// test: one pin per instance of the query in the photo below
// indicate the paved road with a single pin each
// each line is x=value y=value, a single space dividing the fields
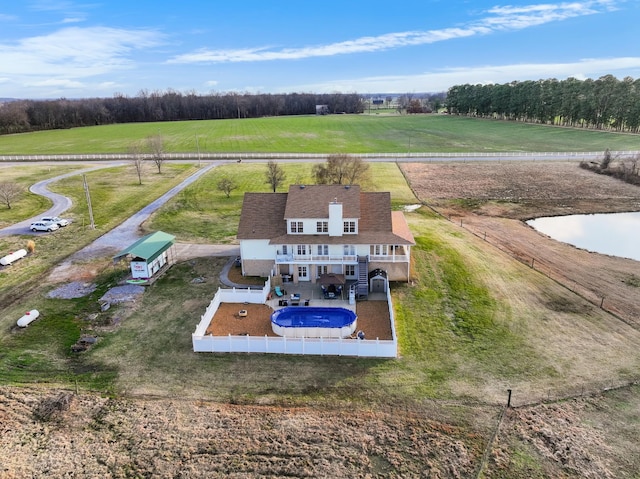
x=60 y=203
x=124 y=234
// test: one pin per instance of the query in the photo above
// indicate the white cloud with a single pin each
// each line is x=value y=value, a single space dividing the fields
x=55 y=82
x=497 y=19
x=75 y=52
x=211 y=83
x=73 y=20
x=441 y=80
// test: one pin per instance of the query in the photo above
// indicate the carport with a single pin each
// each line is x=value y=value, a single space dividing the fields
x=149 y=255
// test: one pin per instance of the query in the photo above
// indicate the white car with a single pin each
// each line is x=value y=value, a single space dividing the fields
x=43 y=226
x=55 y=219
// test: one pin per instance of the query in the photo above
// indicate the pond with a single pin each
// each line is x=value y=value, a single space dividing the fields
x=614 y=234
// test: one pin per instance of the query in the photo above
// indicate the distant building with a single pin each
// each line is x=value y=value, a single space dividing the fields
x=322 y=109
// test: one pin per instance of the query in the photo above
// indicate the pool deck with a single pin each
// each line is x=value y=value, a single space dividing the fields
x=313 y=293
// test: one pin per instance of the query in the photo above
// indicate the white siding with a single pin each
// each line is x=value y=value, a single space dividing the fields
x=257 y=249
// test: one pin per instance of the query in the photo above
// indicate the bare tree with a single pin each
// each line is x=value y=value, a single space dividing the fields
x=156 y=148
x=10 y=192
x=340 y=169
x=137 y=159
x=275 y=175
x=226 y=185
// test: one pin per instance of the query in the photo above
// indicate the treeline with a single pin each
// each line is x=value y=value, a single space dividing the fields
x=604 y=104
x=31 y=115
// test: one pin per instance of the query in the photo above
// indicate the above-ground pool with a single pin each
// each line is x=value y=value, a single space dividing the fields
x=313 y=322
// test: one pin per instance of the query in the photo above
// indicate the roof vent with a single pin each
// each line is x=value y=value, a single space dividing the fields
x=346 y=187
x=302 y=187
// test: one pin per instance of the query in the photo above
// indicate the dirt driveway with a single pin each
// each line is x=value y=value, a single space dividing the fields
x=492 y=199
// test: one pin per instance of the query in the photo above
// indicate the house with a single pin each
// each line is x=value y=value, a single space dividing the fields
x=315 y=230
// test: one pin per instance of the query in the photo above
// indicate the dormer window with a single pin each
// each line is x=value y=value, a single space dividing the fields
x=322 y=227
x=349 y=227
x=297 y=227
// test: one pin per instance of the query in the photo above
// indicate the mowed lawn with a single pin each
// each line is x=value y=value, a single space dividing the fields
x=322 y=134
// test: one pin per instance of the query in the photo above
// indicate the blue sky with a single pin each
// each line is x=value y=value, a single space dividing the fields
x=97 y=48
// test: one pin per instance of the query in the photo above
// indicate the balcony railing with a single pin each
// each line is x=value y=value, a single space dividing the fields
x=398 y=258
x=316 y=258
x=337 y=259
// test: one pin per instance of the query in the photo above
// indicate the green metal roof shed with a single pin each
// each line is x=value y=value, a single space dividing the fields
x=149 y=247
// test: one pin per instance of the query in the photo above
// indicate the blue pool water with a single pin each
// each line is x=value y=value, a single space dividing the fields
x=313 y=317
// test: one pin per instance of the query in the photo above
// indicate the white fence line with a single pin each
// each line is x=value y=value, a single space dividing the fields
x=322 y=156
x=283 y=345
x=203 y=343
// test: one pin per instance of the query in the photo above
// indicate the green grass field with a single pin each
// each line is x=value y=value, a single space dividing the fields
x=203 y=214
x=28 y=204
x=115 y=195
x=460 y=334
x=323 y=134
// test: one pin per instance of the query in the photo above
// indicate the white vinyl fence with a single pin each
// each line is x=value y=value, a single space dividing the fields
x=541 y=155
x=203 y=343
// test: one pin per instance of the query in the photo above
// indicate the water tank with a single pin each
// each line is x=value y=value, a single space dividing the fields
x=11 y=257
x=29 y=317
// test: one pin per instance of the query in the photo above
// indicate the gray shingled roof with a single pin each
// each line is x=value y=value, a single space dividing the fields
x=312 y=201
x=264 y=215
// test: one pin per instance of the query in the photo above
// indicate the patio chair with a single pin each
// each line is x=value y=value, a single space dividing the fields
x=278 y=292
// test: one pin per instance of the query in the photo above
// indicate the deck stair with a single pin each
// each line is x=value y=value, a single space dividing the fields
x=363 y=277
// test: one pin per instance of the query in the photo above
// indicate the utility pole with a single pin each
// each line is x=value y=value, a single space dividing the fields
x=86 y=192
x=198 y=147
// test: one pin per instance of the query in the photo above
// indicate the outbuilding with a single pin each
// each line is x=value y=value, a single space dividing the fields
x=149 y=255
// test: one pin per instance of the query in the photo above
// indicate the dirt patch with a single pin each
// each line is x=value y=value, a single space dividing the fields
x=491 y=199
x=373 y=319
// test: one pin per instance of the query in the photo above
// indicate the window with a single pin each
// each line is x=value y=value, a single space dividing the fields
x=321 y=270
x=350 y=270
x=322 y=227
x=285 y=249
x=379 y=249
x=323 y=250
x=349 y=226
x=296 y=227
x=349 y=250
x=302 y=249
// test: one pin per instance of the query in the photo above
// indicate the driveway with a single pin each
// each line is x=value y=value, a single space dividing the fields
x=122 y=235
x=60 y=203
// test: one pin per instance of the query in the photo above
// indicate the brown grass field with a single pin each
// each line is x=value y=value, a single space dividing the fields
x=53 y=433
x=491 y=199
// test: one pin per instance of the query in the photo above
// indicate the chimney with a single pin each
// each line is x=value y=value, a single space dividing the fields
x=335 y=218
